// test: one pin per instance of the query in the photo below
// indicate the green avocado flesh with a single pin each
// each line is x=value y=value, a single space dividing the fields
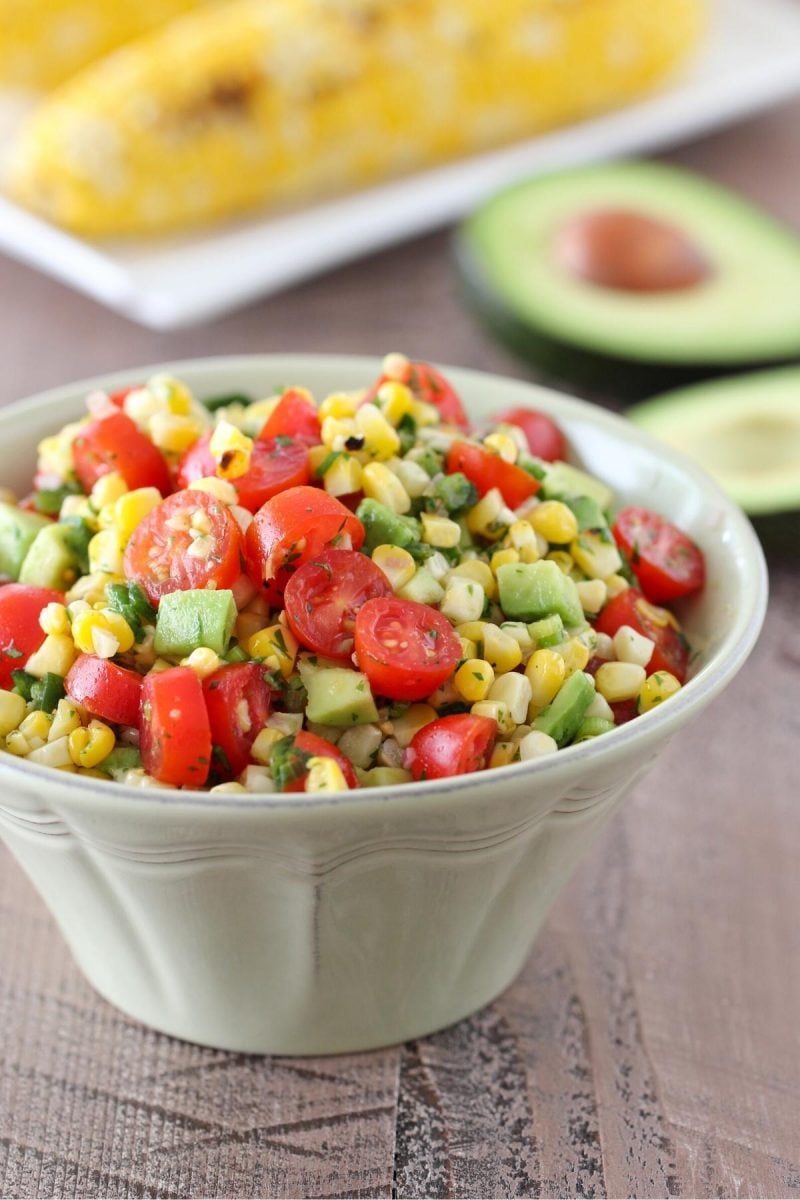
x=744 y=430
x=745 y=313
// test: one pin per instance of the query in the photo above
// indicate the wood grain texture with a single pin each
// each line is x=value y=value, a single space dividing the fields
x=651 y=1046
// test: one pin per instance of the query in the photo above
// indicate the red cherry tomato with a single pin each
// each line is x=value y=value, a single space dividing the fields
x=105 y=690
x=405 y=649
x=323 y=597
x=631 y=608
x=487 y=470
x=666 y=562
x=274 y=466
x=174 y=730
x=310 y=743
x=624 y=711
x=293 y=416
x=163 y=557
x=293 y=527
x=20 y=632
x=543 y=436
x=114 y=443
x=428 y=385
x=455 y=745
x=238 y=701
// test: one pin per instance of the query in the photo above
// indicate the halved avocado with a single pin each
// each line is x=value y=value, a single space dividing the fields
x=744 y=430
x=735 y=307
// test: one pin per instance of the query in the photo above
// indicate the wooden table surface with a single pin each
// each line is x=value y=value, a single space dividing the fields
x=651 y=1046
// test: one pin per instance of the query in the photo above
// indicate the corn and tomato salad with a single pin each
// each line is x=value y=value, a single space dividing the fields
x=257 y=595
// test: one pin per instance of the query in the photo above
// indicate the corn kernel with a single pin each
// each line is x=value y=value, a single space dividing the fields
x=277 y=642
x=203 y=662
x=632 y=646
x=555 y=521
x=338 y=405
x=619 y=680
x=174 y=434
x=91 y=589
x=592 y=594
x=172 y=393
x=502 y=444
x=490 y=517
x=575 y=654
x=380 y=437
x=336 y=432
x=518 y=630
x=514 y=690
x=55 y=655
x=473 y=679
x=658 y=616
x=108 y=489
x=54 y=753
x=324 y=775
x=469 y=649
x=233 y=788
x=614 y=585
x=500 y=649
x=65 y=718
x=54 y=618
x=546 y=671
x=523 y=538
x=414 y=478
x=396 y=366
x=657 y=688
x=596 y=557
x=481 y=572
x=36 y=726
x=12 y=711
x=497 y=711
x=231 y=450
x=424 y=414
x=395 y=400
x=440 y=531
x=600 y=707
x=503 y=754
x=379 y=483
x=106 y=553
x=212 y=485
x=463 y=600
x=501 y=557
x=256 y=779
x=261 y=749
x=344 y=477
x=18 y=744
x=536 y=745
x=131 y=510
x=563 y=560
x=397 y=565
x=89 y=746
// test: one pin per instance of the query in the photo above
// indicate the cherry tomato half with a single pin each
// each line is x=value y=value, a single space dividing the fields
x=428 y=385
x=455 y=745
x=311 y=743
x=293 y=416
x=174 y=730
x=323 y=597
x=405 y=649
x=293 y=527
x=238 y=701
x=20 y=632
x=665 y=560
x=114 y=443
x=631 y=608
x=104 y=689
x=162 y=556
x=274 y=466
x=487 y=470
x=543 y=436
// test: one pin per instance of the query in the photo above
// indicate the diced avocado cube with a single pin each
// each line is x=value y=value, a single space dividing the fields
x=588 y=513
x=384 y=527
x=422 y=588
x=563 y=717
x=592 y=727
x=51 y=561
x=539 y=589
x=120 y=760
x=18 y=529
x=383 y=777
x=547 y=632
x=188 y=620
x=339 y=696
x=562 y=479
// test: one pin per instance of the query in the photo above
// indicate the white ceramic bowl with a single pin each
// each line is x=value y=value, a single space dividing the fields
x=300 y=925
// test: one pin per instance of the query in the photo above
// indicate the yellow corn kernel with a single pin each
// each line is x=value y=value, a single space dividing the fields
x=55 y=655
x=473 y=679
x=18 y=744
x=522 y=538
x=503 y=754
x=79 y=506
x=503 y=445
x=440 y=531
x=174 y=434
x=12 y=711
x=514 y=690
x=396 y=401
x=498 y=711
x=500 y=649
x=490 y=517
x=592 y=594
x=344 y=477
x=55 y=453
x=203 y=662
x=563 y=559
x=275 y=641
x=614 y=585
x=501 y=557
x=338 y=405
x=171 y=393
x=54 y=753
x=480 y=572
x=108 y=489
x=380 y=437
x=89 y=746
x=106 y=553
x=130 y=510
x=424 y=414
x=261 y=749
x=102 y=632
x=396 y=366
x=54 y=618
x=658 y=616
x=575 y=654
x=65 y=719
x=619 y=680
x=546 y=671
x=36 y=726
x=416 y=717
x=381 y=484
x=231 y=450
x=324 y=775
x=228 y=789
x=596 y=557
x=92 y=588
x=316 y=457
x=337 y=431
x=469 y=649
x=555 y=521
x=657 y=688
x=397 y=565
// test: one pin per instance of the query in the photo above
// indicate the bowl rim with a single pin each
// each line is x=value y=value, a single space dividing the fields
x=657 y=724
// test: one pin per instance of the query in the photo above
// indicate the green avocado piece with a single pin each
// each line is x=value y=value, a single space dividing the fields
x=52 y=560
x=592 y=727
x=564 y=716
x=549 y=631
x=742 y=313
x=339 y=696
x=18 y=529
x=529 y=591
x=384 y=527
x=422 y=588
x=562 y=480
x=194 y=618
x=588 y=514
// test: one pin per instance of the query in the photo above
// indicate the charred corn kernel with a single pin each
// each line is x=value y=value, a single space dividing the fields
x=424 y=414
x=563 y=559
x=522 y=538
x=90 y=745
x=212 y=485
x=500 y=649
x=657 y=688
x=276 y=641
x=497 y=711
x=659 y=616
x=380 y=484
x=203 y=662
x=108 y=489
x=480 y=571
x=619 y=680
x=463 y=600
x=536 y=745
x=36 y=726
x=395 y=400
x=414 y=478
x=502 y=444
x=513 y=690
x=546 y=671
x=596 y=557
x=106 y=553
x=632 y=646
x=614 y=585
x=474 y=679
x=380 y=437
x=575 y=654
x=12 y=711
x=490 y=517
x=131 y=509
x=324 y=775
x=65 y=718
x=397 y=565
x=338 y=431
x=592 y=594
x=174 y=434
x=501 y=557
x=54 y=753
x=261 y=749
x=54 y=618
x=344 y=477
x=555 y=522
x=172 y=393
x=416 y=717
x=338 y=404
x=440 y=531
x=231 y=450
x=503 y=754
x=18 y=744
x=55 y=656
x=469 y=649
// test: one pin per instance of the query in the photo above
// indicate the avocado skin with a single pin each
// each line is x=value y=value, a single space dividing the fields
x=611 y=379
